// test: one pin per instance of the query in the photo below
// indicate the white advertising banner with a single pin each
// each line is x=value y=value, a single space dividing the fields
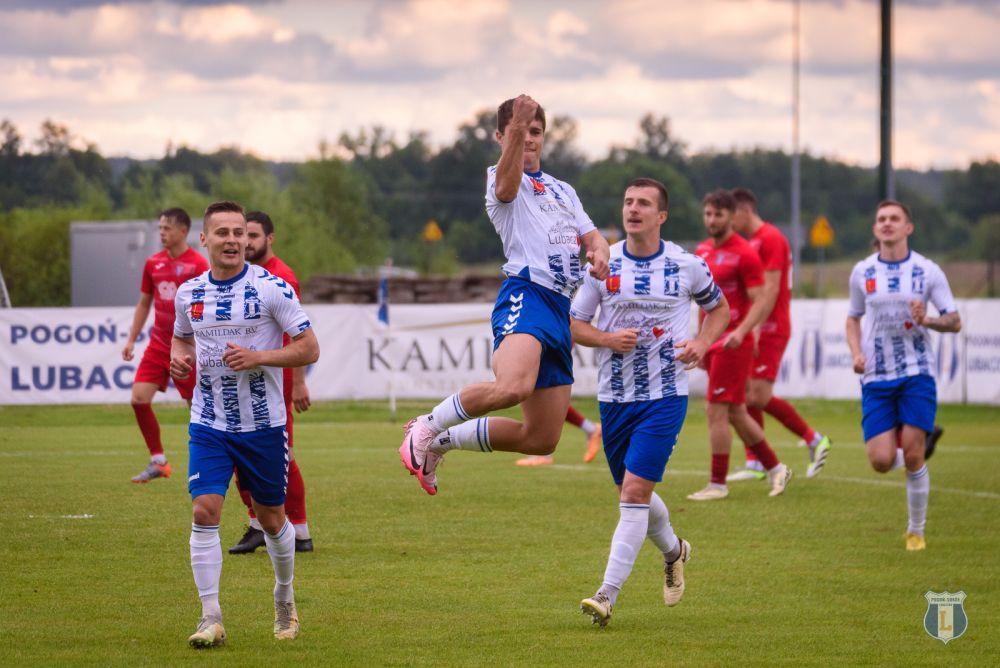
x=73 y=355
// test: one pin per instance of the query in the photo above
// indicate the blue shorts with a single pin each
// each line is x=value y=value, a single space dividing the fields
x=260 y=457
x=887 y=404
x=523 y=307
x=639 y=436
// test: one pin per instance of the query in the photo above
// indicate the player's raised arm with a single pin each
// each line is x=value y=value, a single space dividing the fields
x=512 y=142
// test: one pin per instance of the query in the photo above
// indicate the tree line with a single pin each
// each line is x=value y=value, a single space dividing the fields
x=370 y=194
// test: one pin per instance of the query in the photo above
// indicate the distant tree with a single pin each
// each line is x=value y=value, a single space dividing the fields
x=658 y=142
x=55 y=139
x=10 y=140
x=975 y=192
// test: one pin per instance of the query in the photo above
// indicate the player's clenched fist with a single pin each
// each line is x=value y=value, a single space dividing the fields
x=859 y=363
x=598 y=264
x=691 y=354
x=180 y=367
x=238 y=358
x=524 y=110
x=918 y=311
x=622 y=340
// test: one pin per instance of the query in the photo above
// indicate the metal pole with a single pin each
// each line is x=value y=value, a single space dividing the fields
x=796 y=171
x=886 y=180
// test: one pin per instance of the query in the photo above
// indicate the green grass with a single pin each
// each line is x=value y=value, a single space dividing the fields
x=491 y=571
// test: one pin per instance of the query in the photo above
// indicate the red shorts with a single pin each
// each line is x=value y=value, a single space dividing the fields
x=767 y=361
x=728 y=372
x=155 y=368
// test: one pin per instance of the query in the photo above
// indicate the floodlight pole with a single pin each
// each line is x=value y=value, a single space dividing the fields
x=886 y=179
x=796 y=204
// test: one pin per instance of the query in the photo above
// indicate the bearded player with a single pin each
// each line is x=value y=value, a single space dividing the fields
x=162 y=274
x=737 y=271
x=260 y=239
x=772 y=337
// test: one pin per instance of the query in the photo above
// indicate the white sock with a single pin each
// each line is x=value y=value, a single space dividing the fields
x=588 y=427
x=255 y=524
x=301 y=531
x=160 y=459
x=447 y=414
x=754 y=465
x=625 y=545
x=660 y=531
x=900 y=462
x=281 y=549
x=918 y=488
x=206 y=565
x=473 y=435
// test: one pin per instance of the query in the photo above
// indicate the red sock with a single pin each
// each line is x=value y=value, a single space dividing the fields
x=720 y=467
x=244 y=495
x=149 y=427
x=574 y=417
x=788 y=416
x=751 y=457
x=765 y=454
x=295 y=497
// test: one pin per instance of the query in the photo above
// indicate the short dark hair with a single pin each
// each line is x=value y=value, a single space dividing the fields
x=644 y=182
x=178 y=215
x=744 y=196
x=265 y=221
x=505 y=112
x=221 y=207
x=720 y=199
x=892 y=202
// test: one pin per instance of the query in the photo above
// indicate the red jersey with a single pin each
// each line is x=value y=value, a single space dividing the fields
x=277 y=267
x=776 y=255
x=735 y=267
x=161 y=276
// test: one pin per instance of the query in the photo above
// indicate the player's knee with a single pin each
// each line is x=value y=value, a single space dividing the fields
x=139 y=401
x=513 y=393
x=881 y=465
x=913 y=460
x=204 y=515
x=271 y=522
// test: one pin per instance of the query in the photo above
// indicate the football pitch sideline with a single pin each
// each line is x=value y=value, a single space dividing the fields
x=491 y=570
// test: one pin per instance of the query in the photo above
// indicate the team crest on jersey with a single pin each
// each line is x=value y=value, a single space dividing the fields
x=537 y=186
x=179 y=269
x=870 y=280
x=613 y=284
x=945 y=618
x=197 y=311
x=917 y=280
x=251 y=303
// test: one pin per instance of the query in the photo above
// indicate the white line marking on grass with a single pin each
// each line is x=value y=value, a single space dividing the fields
x=902 y=485
x=61 y=517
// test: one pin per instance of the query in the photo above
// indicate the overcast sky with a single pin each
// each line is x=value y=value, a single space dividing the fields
x=277 y=77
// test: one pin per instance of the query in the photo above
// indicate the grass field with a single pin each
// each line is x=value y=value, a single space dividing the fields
x=491 y=571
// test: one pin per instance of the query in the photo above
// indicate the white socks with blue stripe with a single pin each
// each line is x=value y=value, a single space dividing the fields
x=918 y=488
x=206 y=565
x=630 y=534
x=447 y=414
x=661 y=532
x=281 y=549
x=473 y=435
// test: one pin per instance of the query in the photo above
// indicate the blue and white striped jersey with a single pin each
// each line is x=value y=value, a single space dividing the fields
x=252 y=310
x=653 y=295
x=540 y=230
x=894 y=346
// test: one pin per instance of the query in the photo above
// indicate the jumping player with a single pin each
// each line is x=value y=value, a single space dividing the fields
x=235 y=315
x=737 y=270
x=577 y=419
x=162 y=274
x=890 y=289
x=644 y=352
x=772 y=336
x=260 y=238
x=542 y=225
